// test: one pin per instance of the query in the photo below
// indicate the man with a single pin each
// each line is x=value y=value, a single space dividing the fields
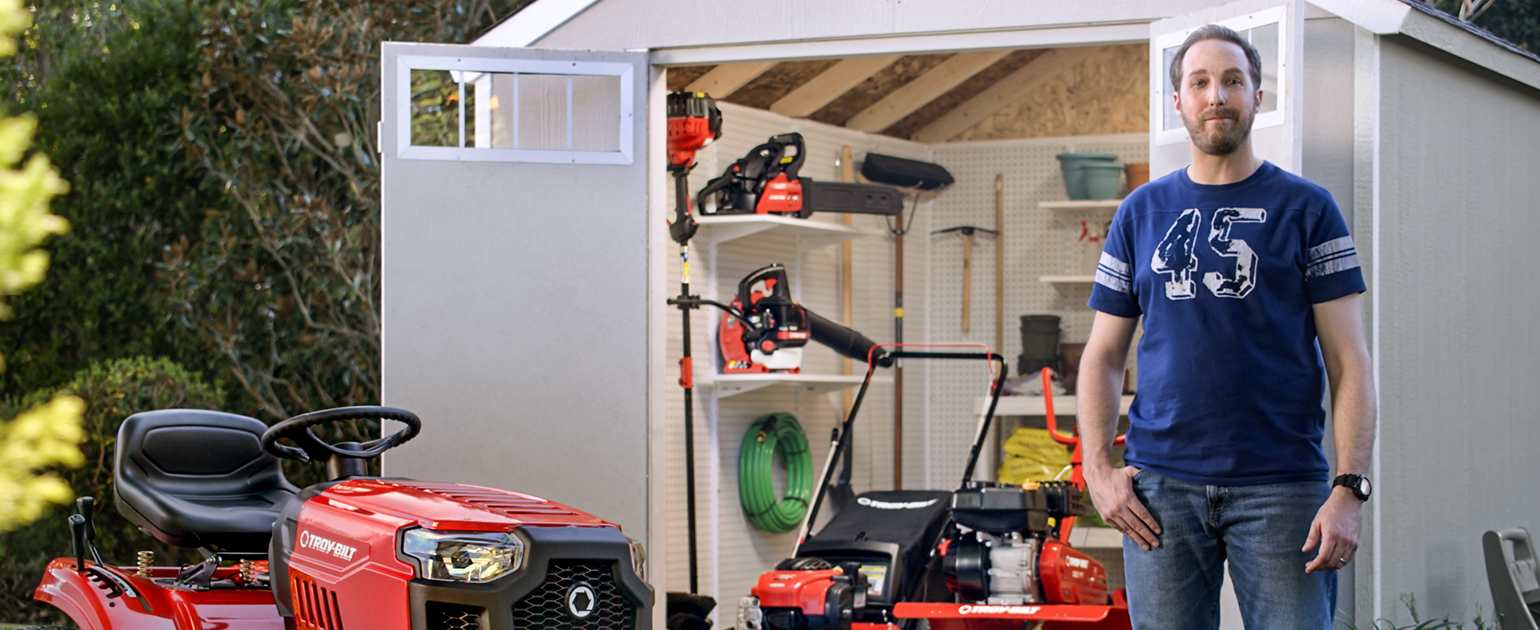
x=1239 y=270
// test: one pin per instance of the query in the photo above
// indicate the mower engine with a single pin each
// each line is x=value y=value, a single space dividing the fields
x=1012 y=555
x=806 y=594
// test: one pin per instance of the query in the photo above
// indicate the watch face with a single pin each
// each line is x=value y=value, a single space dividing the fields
x=1364 y=487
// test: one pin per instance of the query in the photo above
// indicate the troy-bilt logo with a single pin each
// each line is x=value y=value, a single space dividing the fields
x=1079 y=563
x=326 y=546
x=885 y=505
x=967 y=609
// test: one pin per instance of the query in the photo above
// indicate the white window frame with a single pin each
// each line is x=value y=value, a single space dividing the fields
x=405 y=64
x=1275 y=15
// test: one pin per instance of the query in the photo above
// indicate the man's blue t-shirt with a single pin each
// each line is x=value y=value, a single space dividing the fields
x=1230 y=378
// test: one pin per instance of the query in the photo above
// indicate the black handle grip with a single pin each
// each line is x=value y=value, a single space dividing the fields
x=78 y=537
x=845 y=341
x=86 y=507
x=793 y=139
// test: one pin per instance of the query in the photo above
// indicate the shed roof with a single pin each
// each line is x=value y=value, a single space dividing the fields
x=903 y=68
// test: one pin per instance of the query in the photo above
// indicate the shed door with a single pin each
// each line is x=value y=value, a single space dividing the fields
x=515 y=231
x=1276 y=28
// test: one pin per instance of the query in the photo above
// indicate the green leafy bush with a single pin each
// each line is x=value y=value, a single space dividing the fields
x=107 y=82
x=113 y=390
x=285 y=286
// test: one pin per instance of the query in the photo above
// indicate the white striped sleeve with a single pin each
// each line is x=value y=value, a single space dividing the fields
x=1330 y=257
x=1114 y=274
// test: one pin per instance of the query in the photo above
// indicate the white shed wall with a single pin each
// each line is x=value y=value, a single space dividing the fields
x=1457 y=359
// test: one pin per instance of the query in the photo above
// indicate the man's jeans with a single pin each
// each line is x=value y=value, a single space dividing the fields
x=1259 y=529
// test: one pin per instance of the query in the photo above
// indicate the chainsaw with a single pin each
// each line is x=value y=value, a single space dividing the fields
x=766 y=181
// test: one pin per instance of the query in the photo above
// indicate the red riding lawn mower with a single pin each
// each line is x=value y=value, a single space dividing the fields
x=352 y=553
x=988 y=556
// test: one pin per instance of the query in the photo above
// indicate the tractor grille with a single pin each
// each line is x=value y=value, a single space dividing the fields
x=444 y=616
x=546 y=607
x=315 y=608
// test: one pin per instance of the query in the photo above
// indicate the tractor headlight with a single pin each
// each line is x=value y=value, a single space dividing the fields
x=463 y=556
x=638 y=558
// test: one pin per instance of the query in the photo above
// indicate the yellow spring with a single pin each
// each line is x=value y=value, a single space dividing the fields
x=248 y=572
x=146 y=558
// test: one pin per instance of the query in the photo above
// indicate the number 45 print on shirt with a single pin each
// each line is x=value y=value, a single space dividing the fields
x=1176 y=254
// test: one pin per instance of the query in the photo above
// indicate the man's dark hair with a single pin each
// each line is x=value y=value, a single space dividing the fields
x=1215 y=31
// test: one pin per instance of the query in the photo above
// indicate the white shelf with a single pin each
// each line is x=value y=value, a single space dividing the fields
x=725 y=385
x=1071 y=213
x=810 y=235
x=1068 y=281
x=1033 y=405
x=1082 y=537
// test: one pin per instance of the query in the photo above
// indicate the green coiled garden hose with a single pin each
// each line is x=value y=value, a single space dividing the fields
x=771 y=434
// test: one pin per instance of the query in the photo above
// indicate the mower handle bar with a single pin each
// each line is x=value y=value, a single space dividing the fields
x=873 y=360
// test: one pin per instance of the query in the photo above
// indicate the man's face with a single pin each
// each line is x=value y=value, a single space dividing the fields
x=1217 y=99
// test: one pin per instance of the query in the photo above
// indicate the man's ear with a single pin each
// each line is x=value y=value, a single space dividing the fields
x=1176 y=101
x=1257 y=106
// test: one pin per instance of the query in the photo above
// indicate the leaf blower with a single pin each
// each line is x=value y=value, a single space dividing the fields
x=764 y=329
x=766 y=181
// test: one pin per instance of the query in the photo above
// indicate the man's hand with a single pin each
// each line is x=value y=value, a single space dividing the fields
x=1335 y=529
x=1112 y=491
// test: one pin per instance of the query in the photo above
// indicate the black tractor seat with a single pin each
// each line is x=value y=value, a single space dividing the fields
x=890 y=533
x=195 y=478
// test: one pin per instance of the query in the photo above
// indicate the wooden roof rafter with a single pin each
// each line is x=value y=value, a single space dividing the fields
x=725 y=79
x=830 y=84
x=1003 y=93
x=917 y=93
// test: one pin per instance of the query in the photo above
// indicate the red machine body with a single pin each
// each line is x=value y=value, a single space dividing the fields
x=344 y=569
x=782 y=195
x=803 y=590
x=1071 y=577
x=354 y=552
x=1003 y=552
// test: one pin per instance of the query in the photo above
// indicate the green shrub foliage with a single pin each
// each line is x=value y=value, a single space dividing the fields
x=108 y=82
x=285 y=286
x=113 y=390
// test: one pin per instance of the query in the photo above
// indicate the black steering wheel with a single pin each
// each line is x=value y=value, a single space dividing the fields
x=311 y=448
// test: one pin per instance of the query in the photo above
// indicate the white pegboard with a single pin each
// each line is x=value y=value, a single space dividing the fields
x=938 y=424
x=732 y=553
x=1035 y=245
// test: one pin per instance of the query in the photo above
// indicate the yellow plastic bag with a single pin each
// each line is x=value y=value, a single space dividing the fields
x=1031 y=454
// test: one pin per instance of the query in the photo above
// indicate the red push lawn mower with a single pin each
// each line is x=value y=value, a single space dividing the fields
x=352 y=553
x=989 y=556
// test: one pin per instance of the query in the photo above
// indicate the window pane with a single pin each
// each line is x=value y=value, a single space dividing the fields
x=1265 y=39
x=595 y=113
x=1171 y=120
x=435 y=109
x=542 y=111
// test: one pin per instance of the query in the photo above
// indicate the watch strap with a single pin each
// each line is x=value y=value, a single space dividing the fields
x=1353 y=482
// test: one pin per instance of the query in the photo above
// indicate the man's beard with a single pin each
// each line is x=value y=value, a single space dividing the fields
x=1222 y=141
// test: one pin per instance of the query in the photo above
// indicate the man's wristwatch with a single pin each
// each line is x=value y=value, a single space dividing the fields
x=1359 y=484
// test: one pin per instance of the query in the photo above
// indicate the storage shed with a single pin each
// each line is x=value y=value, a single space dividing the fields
x=527 y=263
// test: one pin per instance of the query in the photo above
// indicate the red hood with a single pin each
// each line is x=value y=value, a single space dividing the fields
x=453 y=506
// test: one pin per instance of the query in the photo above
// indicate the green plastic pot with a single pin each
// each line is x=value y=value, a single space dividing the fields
x=1101 y=179
x=1072 y=165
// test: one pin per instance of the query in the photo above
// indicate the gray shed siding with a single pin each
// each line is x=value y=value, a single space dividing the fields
x=1457 y=351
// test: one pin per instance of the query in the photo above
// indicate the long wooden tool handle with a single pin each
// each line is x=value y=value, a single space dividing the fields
x=967 y=279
